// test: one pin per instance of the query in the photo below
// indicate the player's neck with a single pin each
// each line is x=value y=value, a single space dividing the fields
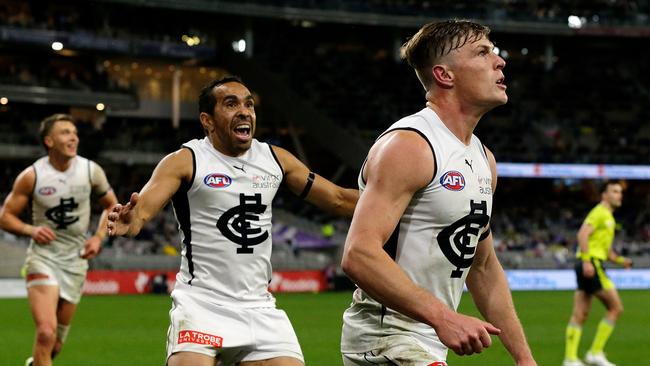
x=607 y=206
x=60 y=162
x=459 y=121
x=221 y=147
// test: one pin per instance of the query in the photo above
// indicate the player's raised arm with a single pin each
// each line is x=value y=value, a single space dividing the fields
x=314 y=188
x=166 y=179
x=15 y=204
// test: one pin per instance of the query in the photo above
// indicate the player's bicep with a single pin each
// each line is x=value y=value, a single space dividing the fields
x=585 y=231
x=391 y=184
x=376 y=215
x=20 y=194
x=295 y=171
x=166 y=179
x=100 y=185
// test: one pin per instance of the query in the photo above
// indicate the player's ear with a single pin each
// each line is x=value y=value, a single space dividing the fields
x=48 y=141
x=206 y=121
x=443 y=76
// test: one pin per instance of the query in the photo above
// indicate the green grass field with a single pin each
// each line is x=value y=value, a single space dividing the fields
x=130 y=330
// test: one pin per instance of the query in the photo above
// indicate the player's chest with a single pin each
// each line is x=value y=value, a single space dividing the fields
x=55 y=189
x=230 y=185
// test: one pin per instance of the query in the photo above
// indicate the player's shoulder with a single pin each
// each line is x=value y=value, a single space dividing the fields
x=404 y=154
x=598 y=213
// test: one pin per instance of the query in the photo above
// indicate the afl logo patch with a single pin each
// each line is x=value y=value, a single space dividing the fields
x=217 y=180
x=46 y=191
x=453 y=181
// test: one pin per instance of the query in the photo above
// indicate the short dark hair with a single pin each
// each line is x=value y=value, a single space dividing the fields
x=609 y=182
x=48 y=122
x=435 y=40
x=207 y=101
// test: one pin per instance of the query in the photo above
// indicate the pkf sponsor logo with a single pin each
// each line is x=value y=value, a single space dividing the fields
x=438 y=363
x=46 y=191
x=192 y=336
x=217 y=180
x=453 y=180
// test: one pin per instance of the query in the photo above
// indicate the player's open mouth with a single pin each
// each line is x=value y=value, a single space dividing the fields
x=243 y=131
x=501 y=82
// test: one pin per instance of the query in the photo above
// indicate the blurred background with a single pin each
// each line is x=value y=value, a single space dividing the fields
x=328 y=79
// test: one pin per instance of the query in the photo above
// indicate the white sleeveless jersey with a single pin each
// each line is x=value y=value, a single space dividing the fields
x=436 y=238
x=61 y=201
x=224 y=217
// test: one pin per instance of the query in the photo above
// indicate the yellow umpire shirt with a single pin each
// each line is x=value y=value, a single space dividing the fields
x=600 y=240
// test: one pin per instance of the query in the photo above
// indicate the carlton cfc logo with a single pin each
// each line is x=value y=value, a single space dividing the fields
x=217 y=180
x=453 y=181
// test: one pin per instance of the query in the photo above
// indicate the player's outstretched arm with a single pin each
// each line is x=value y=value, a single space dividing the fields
x=320 y=192
x=398 y=166
x=14 y=205
x=166 y=179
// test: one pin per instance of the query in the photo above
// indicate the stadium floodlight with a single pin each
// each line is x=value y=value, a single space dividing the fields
x=4 y=100
x=524 y=51
x=574 y=22
x=239 y=46
x=504 y=54
x=100 y=106
x=496 y=50
x=191 y=40
x=57 y=46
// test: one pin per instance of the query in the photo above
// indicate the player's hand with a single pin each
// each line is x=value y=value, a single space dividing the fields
x=464 y=334
x=628 y=263
x=91 y=248
x=42 y=235
x=121 y=217
x=588 y=269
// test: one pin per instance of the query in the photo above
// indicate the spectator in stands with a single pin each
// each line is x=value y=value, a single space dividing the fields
x=595 y=239
x=221 y=188
x=421 y=228
x=59 y=187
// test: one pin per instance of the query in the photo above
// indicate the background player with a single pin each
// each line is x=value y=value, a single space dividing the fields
x=595 y=239
x=221 y=188
x=59 y=187
x=421 y=227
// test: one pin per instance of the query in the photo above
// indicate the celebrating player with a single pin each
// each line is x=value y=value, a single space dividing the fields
x=421 y=228
x=59 y=187
x=222 y=309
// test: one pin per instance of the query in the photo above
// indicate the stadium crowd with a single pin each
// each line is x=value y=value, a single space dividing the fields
x=555 y=114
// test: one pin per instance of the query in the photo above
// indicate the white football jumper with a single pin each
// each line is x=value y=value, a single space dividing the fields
x=61 y=201
x=435 y=240
x=224 y=218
